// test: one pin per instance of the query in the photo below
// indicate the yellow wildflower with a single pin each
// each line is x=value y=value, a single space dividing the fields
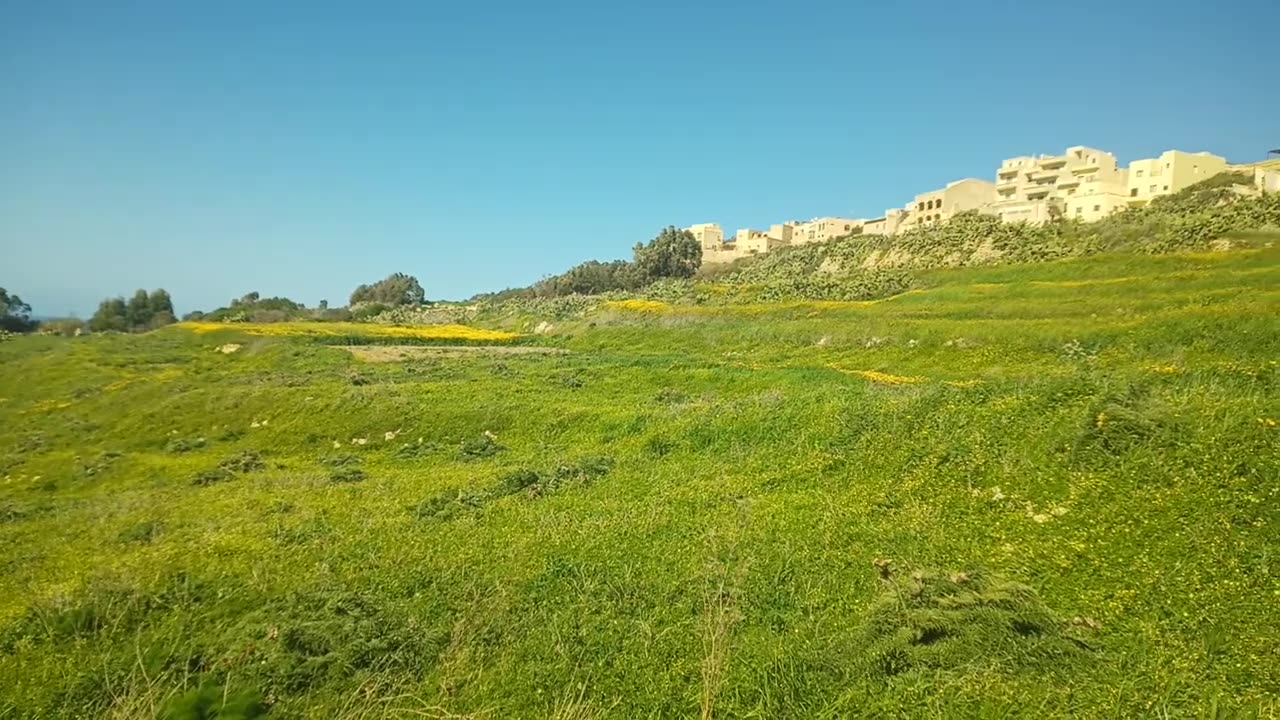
x=883 y=378
x=638 y=305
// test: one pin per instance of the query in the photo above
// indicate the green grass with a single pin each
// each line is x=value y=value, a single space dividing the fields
x=1070 y=509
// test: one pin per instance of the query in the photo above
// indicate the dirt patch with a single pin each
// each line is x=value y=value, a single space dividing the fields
x=400 y=353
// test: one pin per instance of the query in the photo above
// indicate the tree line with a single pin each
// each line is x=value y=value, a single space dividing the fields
x=674 y=253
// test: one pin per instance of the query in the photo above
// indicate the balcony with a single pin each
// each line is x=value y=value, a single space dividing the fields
x=1069 y=182
x=1039 y=192
x=1084 y=169
x=1052 y=163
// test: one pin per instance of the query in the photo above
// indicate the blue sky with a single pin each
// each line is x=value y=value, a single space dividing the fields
x=300 y=149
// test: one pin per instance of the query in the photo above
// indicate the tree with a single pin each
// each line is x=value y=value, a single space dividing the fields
x=111 y=315
x=138 y=310
x=160 y=302
x=15 y=315
x=395 y=289
x=673 y=254
x=144 y=311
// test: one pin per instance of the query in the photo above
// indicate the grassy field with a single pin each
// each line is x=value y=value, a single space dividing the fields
x=1027 y=491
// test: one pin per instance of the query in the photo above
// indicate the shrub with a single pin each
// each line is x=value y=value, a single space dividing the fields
x=484 y=446
x=209 y=477
x=934 y=621
x=346 y=475
x=182 y=445
x=242 y=462
x=210 y=701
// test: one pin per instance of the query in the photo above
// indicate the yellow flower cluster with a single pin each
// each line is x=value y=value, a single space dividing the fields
x=1163 y=369
x=637 y=305
x=45 y=406
x=884 y=378
x=422 y=332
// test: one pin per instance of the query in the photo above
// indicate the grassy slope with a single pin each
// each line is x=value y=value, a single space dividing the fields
x=1116 y=454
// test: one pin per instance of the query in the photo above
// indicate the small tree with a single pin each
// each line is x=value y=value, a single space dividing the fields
x=15 y=315
x=160 y=302
x=110 y=316
x=673 y=254
x=144 y=311
x=395 y=289
x=138 y=310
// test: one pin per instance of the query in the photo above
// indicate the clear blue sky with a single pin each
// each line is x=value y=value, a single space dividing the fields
x=299 y=149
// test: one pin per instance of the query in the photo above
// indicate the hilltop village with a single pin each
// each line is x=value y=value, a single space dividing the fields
x=1082 y=183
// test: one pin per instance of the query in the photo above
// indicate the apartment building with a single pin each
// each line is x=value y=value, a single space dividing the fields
x=940 y=205
x=755 y=242
x=823 y=229
x=1082 y=183
x=708 y=235
x=889 y=224
x=1169 y=173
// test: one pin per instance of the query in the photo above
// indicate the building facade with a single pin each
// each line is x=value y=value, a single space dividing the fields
x=708 y=235
x=1169 y=173
x=823 y=229
x=940 y=205
x=1082 y=183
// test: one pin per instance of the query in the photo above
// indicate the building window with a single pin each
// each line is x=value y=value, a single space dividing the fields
x=1152 y=189
x=1133 y=192
x=1166 y=188
x=1079 y=209
x=920 y=207
x=1097 y=208
x=1139 y=173
x=939 y=204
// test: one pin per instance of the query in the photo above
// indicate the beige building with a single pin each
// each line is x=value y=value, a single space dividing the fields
x=1266 y=174
x=1169 y=173
x=887 y=225
x=708 y=235
x=940 y=205
x=823 y=229
x=1081 y=183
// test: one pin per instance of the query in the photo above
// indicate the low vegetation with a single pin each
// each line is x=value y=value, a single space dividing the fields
x=1016 y=489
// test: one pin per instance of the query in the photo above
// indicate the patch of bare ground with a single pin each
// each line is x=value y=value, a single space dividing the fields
x=400 y=353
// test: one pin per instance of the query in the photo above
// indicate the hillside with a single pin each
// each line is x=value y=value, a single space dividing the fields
x=1044 y=488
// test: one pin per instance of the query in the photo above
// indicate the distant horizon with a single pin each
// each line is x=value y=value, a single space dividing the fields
x=218 y=150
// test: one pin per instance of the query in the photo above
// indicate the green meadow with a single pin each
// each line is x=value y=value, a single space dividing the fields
x=1042 y=490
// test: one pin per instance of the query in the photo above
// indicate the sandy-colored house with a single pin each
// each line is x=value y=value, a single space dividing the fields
x=1082 y=182
x=1169 y=173
x=823 y=229
x=708 y=235
x=940 y=205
